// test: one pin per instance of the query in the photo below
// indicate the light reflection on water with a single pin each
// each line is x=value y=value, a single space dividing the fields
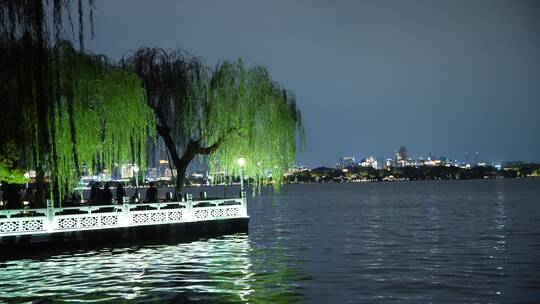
x=413 y=242
x=226 y=269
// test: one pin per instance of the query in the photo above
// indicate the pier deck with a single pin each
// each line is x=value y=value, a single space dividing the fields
x=120 y=222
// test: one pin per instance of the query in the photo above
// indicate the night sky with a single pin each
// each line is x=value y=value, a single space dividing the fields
x=435 y=76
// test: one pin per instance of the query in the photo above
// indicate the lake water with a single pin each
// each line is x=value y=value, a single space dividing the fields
x=417 y=242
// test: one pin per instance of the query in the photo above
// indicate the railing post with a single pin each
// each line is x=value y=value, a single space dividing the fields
x=244 y=203
x=50 y=215
x=125 y=211
x=190 y=211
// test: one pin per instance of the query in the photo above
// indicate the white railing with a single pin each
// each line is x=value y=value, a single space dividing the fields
x=49 y=220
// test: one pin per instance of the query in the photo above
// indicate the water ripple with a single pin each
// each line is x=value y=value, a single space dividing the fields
x=442 y=242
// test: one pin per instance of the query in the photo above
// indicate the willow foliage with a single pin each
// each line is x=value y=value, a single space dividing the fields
x=8 y=171
x=230 y=112
x=256 y=119
x=105 y=121
x=173 y=82
x=98 y=115
x=34 y=80
x=44 y=20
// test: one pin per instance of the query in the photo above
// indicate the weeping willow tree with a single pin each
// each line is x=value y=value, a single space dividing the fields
x=28 y=30
x=100 y=117
x=66 y=108
x=252 y=117
x=106 y=120
x=175 y=85
x=228 y=113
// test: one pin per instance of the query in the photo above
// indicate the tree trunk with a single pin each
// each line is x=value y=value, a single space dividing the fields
x=43 y=107
x=193 y=149
x=180 y=178
x=165 y=132
x=181 y=164
x=41 y=191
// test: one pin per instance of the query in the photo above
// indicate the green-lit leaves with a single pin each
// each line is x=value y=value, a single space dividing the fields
x=8 y=163
x=233 y=112
x=102 y=119
x=259 y=119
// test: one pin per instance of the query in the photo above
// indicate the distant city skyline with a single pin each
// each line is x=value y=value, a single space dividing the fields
x=435 y=76
x=473 y=157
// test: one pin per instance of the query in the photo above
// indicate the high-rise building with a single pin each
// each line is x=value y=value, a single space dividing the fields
x=388 y=163
x=380 y=162
x=369 y=162
x=401 y=157
x=346 y=162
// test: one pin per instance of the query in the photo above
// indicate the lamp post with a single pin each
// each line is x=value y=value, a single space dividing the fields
x=241 y=162
x=260 y=176
x=136 y=170
x=27 y=176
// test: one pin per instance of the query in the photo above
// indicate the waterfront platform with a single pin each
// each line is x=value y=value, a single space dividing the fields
x=123 y=223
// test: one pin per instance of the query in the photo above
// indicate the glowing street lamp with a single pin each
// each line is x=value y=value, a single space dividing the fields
x=241 y=162
x=27 y=176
